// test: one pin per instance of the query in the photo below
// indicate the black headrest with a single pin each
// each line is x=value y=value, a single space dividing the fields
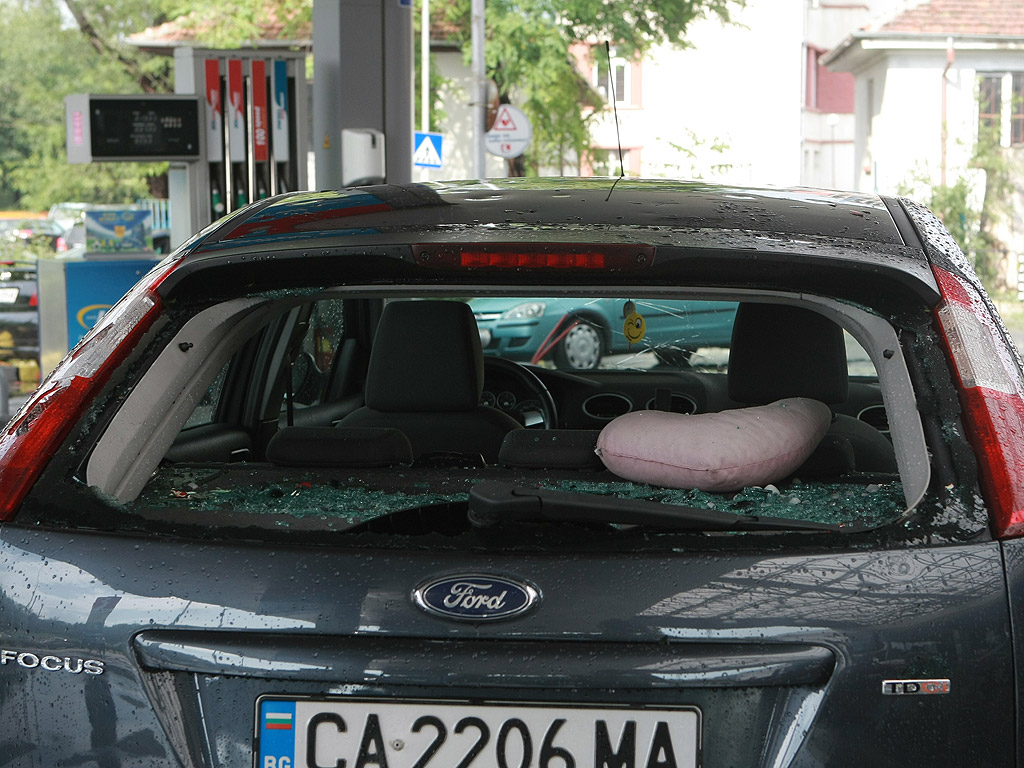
x=779 y=351
x=551 y=449
x=338 y=447
x=426 y=356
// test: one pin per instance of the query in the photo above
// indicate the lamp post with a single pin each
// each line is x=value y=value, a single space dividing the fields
x=832 y=120
x=479 y=102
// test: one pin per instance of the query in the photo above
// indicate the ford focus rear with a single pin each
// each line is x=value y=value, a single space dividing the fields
x=285 y=506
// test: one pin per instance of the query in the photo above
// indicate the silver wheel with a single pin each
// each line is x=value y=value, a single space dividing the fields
x=581 y=349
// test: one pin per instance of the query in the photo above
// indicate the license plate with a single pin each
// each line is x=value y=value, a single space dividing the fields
x=8 y=295
x=371 y=733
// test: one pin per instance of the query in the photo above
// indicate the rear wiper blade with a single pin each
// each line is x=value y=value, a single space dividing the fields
x=492 y=502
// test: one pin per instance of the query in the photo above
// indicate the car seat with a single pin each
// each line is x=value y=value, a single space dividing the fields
x=425 y=377
x=779 y=351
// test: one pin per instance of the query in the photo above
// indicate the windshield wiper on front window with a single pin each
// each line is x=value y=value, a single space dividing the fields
x=492 y=502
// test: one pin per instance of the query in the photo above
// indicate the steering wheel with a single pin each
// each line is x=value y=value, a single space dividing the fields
x=498 y=370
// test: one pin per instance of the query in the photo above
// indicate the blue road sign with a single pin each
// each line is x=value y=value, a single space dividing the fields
x=427 y=150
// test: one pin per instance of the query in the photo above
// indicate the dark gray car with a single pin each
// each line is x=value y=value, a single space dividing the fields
x=279 y=510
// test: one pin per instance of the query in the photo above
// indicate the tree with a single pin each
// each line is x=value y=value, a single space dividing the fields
x=527 y=50
x=45 y=56
x=105 y=26
x=55 y=47
x=700 y=156
x=971 y=218
x=529 y=60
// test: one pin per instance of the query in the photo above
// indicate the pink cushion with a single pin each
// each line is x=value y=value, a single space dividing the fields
x=723 y=451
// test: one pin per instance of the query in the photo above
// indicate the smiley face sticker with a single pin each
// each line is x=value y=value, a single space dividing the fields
x=634 y=327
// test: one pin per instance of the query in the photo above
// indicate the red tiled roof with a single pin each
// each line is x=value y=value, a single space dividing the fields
x=180 y=32
x=184 y=31
x=960 y=17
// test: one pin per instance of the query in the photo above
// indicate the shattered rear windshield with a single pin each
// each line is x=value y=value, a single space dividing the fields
x=601 y=400
x=337 y=501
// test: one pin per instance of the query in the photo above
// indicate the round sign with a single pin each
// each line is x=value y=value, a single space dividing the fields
x=511 y=133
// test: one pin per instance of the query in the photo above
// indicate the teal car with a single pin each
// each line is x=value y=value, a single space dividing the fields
x=578 y=334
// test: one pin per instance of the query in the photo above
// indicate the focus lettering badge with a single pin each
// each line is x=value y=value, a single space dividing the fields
x=475 y=597
x=29 y=660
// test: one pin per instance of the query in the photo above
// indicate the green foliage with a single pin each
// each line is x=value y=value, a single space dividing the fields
x=699 y=155
x=241 y=22
x=992 y=159
x=44 y=57
x=15 y=250
x=969 y=218
x=529 y=57
x=951 y=204
x=52 y=48
x=633 y=26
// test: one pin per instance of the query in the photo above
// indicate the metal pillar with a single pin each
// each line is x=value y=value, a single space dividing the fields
x=478 y=11
x=362 y=81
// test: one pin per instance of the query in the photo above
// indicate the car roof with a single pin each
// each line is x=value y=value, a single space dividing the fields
x=583 y=201
x=719 y=228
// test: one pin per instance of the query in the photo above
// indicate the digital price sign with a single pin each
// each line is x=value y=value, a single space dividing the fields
x=131 y=128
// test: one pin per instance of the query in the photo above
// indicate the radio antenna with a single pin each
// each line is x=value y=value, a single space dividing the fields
x=615 y=111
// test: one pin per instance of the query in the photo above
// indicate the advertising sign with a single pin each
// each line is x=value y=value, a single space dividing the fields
x=94 y=287
x=260 y=138
x=214 y=113
x=118 y=231
x=236 y=111
x=280 y=120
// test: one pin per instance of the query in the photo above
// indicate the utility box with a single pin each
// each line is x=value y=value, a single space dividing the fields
x=363 y=160
x=75 y=293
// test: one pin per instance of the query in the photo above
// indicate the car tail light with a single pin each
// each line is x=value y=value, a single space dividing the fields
x=992 y=395
x=46 y=419
x=62 y=244
x=534 y=256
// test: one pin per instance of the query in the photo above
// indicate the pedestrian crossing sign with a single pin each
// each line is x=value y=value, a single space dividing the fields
x=427 y=150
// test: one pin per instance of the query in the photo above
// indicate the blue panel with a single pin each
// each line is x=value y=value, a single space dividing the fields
x=94 y=286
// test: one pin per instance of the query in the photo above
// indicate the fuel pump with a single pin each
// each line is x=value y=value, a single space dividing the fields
x=253 y=105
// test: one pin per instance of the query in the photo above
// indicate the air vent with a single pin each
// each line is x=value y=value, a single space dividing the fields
x=876 y=416
x=607 y=406
x=677 y=404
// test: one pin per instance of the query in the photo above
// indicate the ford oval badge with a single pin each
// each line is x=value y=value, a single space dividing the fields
x=475 y=597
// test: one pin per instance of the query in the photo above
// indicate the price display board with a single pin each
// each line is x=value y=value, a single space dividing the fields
x=132 y=128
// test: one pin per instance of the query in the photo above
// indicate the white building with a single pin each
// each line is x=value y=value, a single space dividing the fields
x=754 y=89
x=928 y=81
x=748 y=103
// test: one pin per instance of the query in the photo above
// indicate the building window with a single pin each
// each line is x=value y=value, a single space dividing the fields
x=615 y=79
x=827 y=91
x=990 y=105
x=1001 y=107
x=1017 y=109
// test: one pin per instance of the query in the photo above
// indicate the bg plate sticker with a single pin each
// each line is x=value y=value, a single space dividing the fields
x=276 y=734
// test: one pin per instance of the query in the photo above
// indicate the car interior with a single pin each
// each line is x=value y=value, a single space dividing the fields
x=358 y=404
